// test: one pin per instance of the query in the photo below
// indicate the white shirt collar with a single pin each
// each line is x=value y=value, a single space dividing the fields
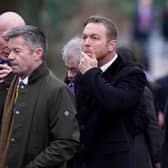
x=107 y=65
x=25 y=80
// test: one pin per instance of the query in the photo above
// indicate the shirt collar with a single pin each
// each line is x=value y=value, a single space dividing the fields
x=25 y=80
x=107 y=65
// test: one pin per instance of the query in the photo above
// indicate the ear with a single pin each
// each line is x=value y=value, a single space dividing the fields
x=112 y=45
x=38 y=52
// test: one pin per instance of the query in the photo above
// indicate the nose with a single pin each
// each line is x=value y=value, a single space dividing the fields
x=87 y=41
x=11 y=55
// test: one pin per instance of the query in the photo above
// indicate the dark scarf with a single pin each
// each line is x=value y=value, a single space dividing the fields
x=7 y=120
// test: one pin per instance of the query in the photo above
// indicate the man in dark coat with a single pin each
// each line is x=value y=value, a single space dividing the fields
x=148 y=140
x=107 y=92
x=43 y=131
x=161 y=95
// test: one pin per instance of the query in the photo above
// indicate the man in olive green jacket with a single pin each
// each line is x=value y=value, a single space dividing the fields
x=43 y=129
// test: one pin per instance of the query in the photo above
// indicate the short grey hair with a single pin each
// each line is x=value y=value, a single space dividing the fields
x=72 y=49
x=34 y=38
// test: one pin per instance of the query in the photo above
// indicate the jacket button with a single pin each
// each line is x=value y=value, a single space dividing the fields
x=22 y=86
x=66 y=113
x=12 y=139
x=17 y=112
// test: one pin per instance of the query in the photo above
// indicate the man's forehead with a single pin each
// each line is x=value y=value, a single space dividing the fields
x=72 y=61
x=94 y=28
x=16 y=41
x=3 y=28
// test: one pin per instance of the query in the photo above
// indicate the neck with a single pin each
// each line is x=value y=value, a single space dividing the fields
x=106 y=58
x=33 y=68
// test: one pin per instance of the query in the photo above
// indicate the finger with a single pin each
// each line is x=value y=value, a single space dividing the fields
x=2 y=71
x=1 y=80
x=82 y=60
x=84 y=55
x=92 y=55
x=5 y=68
x=3 y=76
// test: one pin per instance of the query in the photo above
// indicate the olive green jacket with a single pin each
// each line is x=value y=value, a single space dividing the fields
x=45 y=131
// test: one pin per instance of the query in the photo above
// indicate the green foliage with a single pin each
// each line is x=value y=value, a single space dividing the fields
x=123 y=7
x=60 y=10
x=31 y=11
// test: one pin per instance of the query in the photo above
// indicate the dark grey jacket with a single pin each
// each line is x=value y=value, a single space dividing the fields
x=148 y=143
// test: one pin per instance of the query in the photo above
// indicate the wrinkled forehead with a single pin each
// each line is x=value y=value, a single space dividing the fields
x=17 y=42
x=72 y=62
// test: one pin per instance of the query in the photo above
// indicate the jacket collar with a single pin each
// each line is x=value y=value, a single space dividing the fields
x=107 y=65
x=114 y=67
x=41 y=71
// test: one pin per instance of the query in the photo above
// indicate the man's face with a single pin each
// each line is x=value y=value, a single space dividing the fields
x=4 y=51
x=72 y=66
x=95 y=40
x=20 y=57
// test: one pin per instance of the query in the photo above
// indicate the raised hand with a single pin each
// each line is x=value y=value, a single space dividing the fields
x=4 y=71
x=87 y=62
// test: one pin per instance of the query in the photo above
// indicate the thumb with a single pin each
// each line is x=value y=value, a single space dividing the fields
x=83 y=54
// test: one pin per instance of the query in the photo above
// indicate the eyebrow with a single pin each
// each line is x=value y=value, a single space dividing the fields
x=93 y=34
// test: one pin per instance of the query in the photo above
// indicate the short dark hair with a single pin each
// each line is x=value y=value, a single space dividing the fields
x=33 y=37
x=112 y=31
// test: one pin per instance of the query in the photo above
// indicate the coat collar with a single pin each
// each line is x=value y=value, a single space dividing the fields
x=114 y=67
x=41 y=71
